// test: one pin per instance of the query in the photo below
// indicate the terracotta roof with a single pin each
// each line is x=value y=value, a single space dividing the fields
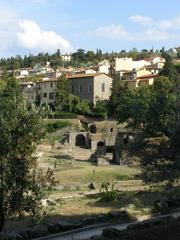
x=86 y=75
x=26 y=83
x=152 y=67
x=130 y=80
x=148 y=76
x=48 y=80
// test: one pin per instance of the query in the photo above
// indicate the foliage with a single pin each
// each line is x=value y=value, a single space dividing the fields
x=150 y=109
x=167 y=66
x=79 y=58
x=101 y=109
x=21 y=129
x=52 y=140
x=107 y=192
x=63 y=92
x=83 y=108
x=153 y=111
x=54 y=126
x=65 y=115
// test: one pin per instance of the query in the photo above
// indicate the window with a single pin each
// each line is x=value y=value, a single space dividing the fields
x=80 y=88
x=45 y=95
x=51 y=96
x=103 y=87
x=111 y=130
x=45 y=85
x=51 y=85
x=89 y=88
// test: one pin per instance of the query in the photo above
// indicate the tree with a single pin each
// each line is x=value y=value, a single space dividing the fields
x=90 y=56
x=168 y=64
x=79 y=55
x=21 y=129
x=63 y=92
x=150 y=109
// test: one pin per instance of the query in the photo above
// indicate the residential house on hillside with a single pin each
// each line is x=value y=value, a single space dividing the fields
x=137 y=78
x=104 y=67
x=28 y=91
x=66 y=57
x=46 y=90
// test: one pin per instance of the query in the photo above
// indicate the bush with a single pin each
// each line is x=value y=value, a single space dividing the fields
x=65 y=115
x=107 y=192
x=53 y=127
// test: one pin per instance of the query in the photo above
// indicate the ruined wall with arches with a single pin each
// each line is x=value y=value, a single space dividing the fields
x=80 y=139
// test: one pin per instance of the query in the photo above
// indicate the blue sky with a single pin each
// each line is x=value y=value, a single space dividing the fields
x=32 y=26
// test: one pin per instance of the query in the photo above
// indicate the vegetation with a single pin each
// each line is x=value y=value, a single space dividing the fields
x=107 y=192
x=21 y=183
x=69 y=103
x=153 y=111
x=54 y=126
x=79 y=58
x=150 y=109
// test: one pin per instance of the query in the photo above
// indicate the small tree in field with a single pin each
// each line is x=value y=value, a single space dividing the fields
x=20 y=131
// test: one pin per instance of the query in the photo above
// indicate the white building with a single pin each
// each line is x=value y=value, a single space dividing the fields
x=104 y=67
x=66 y=57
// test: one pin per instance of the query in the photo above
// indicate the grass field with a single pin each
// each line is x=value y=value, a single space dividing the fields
x=83 y=173
x=75 y=175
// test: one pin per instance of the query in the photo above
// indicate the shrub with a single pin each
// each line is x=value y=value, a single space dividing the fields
x=107 y=192
x=54 y=126
x=65 y=115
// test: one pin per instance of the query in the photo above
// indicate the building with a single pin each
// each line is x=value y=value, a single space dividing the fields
x=91 y=87
x=66 y=57
x=45 y=90
x=140 y=81
x=28 y=91
x=137 y=78
x=104 y=67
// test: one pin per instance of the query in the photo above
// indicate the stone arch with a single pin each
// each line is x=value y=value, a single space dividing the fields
x=93 y=128
x=80 y=140
x=100 y=144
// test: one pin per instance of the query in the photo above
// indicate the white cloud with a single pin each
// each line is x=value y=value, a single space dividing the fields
x=151 y=30
x=170 y=24
x=118 y=32
x=141 y=19
x=163 y=24
x=33 y=37
x=114 y=31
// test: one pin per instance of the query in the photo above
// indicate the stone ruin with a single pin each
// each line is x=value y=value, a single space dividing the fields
x=103 y=138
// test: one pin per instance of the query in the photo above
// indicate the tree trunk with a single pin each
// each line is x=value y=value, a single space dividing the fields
x=2 y=220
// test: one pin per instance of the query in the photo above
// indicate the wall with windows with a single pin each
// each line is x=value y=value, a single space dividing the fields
x=102 y=87
x=47 y=91
x=82 y=87
x=92 y=88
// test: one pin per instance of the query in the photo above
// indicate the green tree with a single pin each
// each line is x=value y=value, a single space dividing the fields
x=90 y=56
x=21 y=129
x=166 y=71
x=150 y=109
x=63 y=94
x=79 y=55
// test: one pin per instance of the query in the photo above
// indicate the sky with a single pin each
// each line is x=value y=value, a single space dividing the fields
x=33 y=26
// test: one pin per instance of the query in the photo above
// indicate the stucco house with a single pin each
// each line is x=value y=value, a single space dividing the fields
x=46 y=90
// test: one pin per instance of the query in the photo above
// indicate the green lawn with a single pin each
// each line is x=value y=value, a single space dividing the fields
x=83 y=173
